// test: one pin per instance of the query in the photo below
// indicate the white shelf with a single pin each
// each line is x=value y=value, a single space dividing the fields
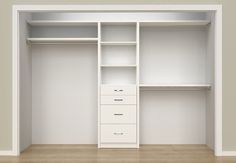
x=150 y=87
x=121 y=66
x=61 y=40
x=60 y=23
x=118 y=43
x=142 y=23
x=175 y=23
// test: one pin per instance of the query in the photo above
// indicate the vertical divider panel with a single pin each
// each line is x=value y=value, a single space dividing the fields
x=99 y=81
x=137 y=81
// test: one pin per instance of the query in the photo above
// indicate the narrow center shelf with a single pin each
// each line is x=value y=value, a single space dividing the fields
x=106 y=65
x=61 y=40
x=118 y=43
x=150 y=87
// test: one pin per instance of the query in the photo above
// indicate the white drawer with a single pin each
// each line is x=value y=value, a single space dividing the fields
x=118 y=114
x=118 y=90
x=118 y=133
x=118 y=99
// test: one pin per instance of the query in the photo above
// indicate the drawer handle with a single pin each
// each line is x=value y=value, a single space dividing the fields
x=118 y=133
x=118 y=114
x=120 y=90
x=118 y=99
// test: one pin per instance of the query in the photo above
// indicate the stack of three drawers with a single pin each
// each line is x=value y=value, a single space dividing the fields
x=118 y=115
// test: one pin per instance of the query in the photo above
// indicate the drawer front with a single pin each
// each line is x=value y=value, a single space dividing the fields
x=118 y=90
x=118 y=100
x=118 y=114
x=118 y=133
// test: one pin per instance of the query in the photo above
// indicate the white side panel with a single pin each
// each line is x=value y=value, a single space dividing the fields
x=172 y=55
x=210 y=112
x=64 y=94
x=25 y=85
x=174 y=117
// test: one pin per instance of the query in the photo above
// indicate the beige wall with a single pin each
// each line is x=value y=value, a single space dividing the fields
x=229 y=57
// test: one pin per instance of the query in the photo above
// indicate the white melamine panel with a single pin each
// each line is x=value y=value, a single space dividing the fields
x=117 y=76
x=120 y=100
x=119 y=16
x=118 y=32
x=118 y=133
x=210 y=75
x=172 y=55
x=120 y=145
x=64 y=94
x=172 y=87
x=62 y=40
x=118 y=114
x=63 y=31
x=25 y=85
x=118 y=55
x=118 y=90
x=175 y=23
x=117 y=43
x=173 y=117
x=60 y=23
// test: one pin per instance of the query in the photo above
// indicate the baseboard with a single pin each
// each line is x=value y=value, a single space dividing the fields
x=8 y=153
x=228 y=153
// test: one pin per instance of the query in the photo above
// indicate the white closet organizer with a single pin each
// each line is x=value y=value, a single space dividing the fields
x=117 y=79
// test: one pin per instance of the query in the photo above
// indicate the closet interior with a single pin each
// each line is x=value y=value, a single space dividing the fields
x=117 y=79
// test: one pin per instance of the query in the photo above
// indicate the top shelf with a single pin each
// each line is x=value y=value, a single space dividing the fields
x=142 y=23
x=175 y=23
x=60 y=23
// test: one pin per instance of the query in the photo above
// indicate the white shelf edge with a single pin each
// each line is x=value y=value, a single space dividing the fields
x=60 y=22
x=174 y=86
x=175 y=23
x=104 y=65
x=61 y=40
x=119 y=23
x=115 y=84
x=118 y=43
x=94 y=23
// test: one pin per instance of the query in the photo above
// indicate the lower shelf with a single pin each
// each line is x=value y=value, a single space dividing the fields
x=150 y=87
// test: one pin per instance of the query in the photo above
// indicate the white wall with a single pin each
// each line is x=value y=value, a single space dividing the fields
x=173 y=55
x=172 y=117
x=64 y=94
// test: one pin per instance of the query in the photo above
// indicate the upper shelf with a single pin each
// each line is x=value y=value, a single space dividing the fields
x=62 y=40
x=175 y=23
x=142 y=23
x=60 y=23
x=118 y=43
x=150 y=87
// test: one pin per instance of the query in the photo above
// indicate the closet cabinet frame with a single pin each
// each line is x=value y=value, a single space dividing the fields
x=17 y=9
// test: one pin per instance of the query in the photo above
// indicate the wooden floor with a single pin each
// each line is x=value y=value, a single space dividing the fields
x=90 y=154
